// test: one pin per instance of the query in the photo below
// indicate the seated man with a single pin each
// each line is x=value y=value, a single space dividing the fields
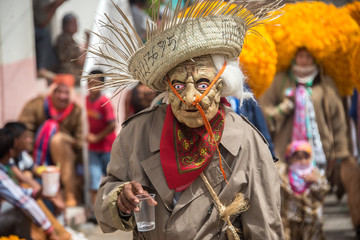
x=55 y=117
x=15 y=221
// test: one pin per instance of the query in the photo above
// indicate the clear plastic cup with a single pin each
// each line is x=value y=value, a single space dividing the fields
x=50 y=181
x=145 y=218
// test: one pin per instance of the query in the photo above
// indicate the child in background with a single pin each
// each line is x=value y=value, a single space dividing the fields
x=17 y=220
x=303 y=190
x=101 y=135
x=21 y=160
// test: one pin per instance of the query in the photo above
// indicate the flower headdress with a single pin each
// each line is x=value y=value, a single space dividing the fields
x=354 y=10
x=329 y=33
x=217 y=27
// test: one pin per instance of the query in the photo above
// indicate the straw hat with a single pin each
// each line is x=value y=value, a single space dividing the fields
x=205 y=27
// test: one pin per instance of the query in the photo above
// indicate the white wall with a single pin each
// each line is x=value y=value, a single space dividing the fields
x=17 y=57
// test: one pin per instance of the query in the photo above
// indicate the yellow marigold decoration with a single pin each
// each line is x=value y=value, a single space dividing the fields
x=329 y=33
x=258 y=59
x=258 y=56
x=354 y=10
x=12 y=237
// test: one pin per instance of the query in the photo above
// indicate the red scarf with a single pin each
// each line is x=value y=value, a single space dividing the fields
x=47 y=130
x=184 y=151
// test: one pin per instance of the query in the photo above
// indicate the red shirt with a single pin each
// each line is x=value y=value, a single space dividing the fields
x=99 y=115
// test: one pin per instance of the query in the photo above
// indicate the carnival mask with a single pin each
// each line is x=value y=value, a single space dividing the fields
x=189 y=79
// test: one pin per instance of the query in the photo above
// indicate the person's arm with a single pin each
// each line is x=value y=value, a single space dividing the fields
x=320 y=187
x=274 y=105
x=50 y=10
x=77 y=129
x=23 y=179
x=28 y=115
x=15 y=195
x=106 y=207
x=338 y=124
x=94 y=138
x=262 y=220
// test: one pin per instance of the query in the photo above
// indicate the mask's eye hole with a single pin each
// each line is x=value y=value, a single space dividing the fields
x=179 y=86
x=203 y=84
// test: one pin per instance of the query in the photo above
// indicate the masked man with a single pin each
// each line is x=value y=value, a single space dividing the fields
x=56 y=124
x=193 y=152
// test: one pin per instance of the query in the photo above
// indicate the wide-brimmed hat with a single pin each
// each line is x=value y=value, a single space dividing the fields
x=199 y=28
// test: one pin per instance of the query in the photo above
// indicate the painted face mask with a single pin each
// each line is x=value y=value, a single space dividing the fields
x=190 y=79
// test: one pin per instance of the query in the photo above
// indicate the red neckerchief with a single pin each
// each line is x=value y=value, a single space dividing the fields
x=53 y=113
x=47 y=130
x=184 y=151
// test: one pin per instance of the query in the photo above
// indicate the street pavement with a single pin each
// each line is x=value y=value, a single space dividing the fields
x=337 y=224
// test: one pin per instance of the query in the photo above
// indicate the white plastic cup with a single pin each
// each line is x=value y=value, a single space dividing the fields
x=145 y=218
x=50 y=181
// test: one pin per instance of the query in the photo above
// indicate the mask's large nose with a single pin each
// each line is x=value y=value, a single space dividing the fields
x=189 y=93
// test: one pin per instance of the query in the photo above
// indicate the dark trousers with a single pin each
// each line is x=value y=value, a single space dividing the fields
x=14 y=222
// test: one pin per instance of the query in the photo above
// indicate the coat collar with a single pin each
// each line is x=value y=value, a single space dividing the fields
x=231 y=140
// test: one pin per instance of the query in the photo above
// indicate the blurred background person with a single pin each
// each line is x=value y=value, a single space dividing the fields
x=17 y=220
x=138 y=98
x=21 y=161
x=70 y=56
x=303 y=190
x=43 y=12
x=56 y=126
x=140 y=16
x=101 y=135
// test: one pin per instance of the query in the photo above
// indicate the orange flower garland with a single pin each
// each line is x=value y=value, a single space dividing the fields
x=329 y=33
x=258 y=60
x=11 y=237
x=354 y=10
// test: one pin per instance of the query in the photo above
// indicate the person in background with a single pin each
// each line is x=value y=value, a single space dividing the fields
x=21 y=160
x=45 y=54
x=138 y=98
x=70 y=56
x=140 y=17
x=303 y=191
x=56 y=127
x=16 y=221
x=101 y=135
x=21 y=164
x=251 y=110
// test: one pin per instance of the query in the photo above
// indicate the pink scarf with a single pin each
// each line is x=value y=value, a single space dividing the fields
x=296 y=177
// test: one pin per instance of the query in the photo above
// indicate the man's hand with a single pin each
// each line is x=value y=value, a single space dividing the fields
x=127 y=201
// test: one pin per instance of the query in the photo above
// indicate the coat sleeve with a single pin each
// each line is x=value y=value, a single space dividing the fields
x=338 y=124
x=29 y=115
x=262 y=220
x=272 y=103
x=106 y=209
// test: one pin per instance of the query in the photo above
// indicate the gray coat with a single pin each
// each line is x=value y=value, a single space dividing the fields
x=247 y=163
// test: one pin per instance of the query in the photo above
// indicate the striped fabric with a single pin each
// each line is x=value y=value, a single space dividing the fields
x=20 y=198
